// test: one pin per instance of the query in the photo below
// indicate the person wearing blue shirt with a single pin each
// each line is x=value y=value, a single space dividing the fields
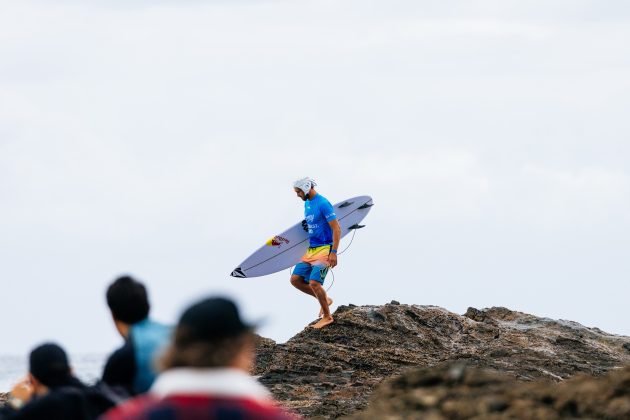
x=132 y=367
x=324 y=233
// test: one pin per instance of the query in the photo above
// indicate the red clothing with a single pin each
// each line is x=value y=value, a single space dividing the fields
x=193 y=407
x=202 y=394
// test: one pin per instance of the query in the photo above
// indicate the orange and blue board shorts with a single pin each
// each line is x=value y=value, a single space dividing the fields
x=314 y=265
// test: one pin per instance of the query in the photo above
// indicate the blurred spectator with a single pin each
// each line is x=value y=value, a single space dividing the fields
x=51 y=392
x=206 y=372
x=132 y=367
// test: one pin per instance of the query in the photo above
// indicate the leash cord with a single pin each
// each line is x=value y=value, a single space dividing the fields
x=331 y=270
x=339 y=253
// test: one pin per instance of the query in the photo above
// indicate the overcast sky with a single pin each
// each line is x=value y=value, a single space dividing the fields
x=161 y=139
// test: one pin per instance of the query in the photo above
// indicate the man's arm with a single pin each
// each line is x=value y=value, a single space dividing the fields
x=336 y=229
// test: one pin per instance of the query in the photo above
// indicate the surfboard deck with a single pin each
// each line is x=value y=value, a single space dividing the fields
x=285 y=249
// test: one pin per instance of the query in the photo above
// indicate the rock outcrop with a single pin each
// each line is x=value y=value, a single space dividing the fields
x=454 y=391
x=332 y=372
x=427 y=362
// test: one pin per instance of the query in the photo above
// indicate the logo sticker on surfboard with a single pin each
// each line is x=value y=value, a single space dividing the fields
x=277 y=241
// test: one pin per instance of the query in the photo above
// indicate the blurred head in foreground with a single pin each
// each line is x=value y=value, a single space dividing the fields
x=49 y=368
x=128 y=302
x=211 y=334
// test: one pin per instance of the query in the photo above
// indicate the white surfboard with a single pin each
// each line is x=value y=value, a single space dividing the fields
x=285 y=249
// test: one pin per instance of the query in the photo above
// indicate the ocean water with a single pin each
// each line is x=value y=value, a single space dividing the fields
x=88 y=367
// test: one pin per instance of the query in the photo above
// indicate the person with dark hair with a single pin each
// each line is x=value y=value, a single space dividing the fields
x=206 y=372
x=132 y=367
x=50 y=391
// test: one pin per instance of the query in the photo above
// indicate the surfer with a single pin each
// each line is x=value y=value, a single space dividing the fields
x=324 y=233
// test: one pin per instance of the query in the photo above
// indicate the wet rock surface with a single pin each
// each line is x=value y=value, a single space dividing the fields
x=332 y=372
x=456 y=391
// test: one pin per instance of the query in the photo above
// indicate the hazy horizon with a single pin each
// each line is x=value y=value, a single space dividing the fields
x=161 y=140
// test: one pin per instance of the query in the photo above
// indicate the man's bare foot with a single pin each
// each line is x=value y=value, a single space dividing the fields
x=327 y=320
x=321 y=310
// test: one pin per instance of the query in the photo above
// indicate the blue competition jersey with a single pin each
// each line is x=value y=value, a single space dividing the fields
x=318 y=212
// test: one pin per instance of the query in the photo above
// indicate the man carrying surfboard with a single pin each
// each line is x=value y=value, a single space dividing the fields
x=324 y=233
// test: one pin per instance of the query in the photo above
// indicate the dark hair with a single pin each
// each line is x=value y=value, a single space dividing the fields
x=128 y=300
x=186 y=350
x=48 y=363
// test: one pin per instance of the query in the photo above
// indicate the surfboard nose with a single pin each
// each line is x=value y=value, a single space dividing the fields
x=238 y=273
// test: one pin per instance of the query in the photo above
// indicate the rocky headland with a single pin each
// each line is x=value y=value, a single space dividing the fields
x=456 y=391
x=423 y=362
x=332 y=372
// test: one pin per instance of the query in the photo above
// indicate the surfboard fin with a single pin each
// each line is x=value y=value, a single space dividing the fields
x=365 y=206
x=345 y=204
x=238 y=273
x=356 y=226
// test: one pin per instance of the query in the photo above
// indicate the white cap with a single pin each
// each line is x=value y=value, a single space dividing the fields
x=304 y=184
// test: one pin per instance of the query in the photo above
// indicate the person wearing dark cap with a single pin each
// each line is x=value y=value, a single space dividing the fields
x=132 y=367
x=206 y=372
x=50 y=391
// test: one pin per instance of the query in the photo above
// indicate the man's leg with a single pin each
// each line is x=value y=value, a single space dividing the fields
x=330 y=302
x=299 y=283
x=320 y=294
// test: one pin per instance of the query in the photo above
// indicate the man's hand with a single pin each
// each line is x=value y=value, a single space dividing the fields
x=21 y=393
x=304 y=225
x=332 y=259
